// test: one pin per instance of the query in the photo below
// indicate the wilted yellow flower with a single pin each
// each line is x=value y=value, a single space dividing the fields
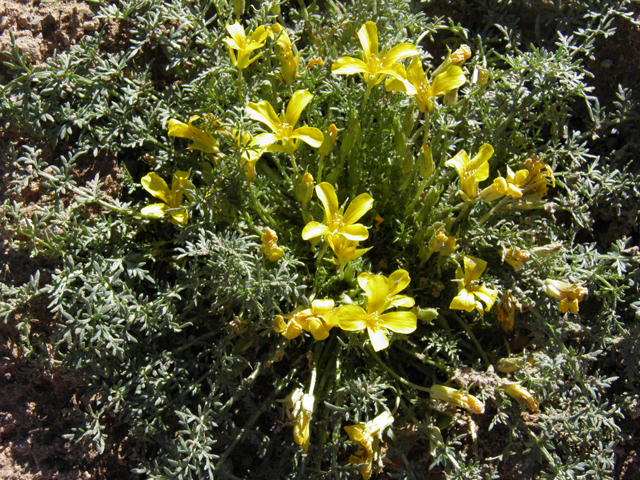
x=457 y=398
x=378 y=221
x=471 y=172
x=201 y=140
x=506 y=310
x=300 y=407
x=368 y=435
x=416 y=84
x=316 y=61
x=470 y=294
x=375 y=66
x=510 y=186
x=288 y=62
x=329 y=140
x=536 y=184
x=457 y=58
x=516 y=257
x=521 y=394
x=283 y=127
x=157 y=187
x=269 y=248
x=310 y=320
x=513 y=364
x=442 y=243
x=382 y=294
x=569 y=294
x=336 y=222
x=237 y=41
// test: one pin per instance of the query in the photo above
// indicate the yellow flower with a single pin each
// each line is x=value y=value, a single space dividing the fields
x=506 y=310
x=251 y=153
x=288 y=62
x=516 y=257
x=269 y=248
x=201 y=140
x=375 y=66
x=382 y=294
x=569 y=294
x=368 y=435
x=345 y=250
x=378 y=221
x=457 y=398
x=510 y=186
x=312 y=320
x=283 y=127
x=473 y=171
x=417 y=85
x=238 y=41
x=336 y=222
x=172 y=199
x=522 y=395
x=442 y=243
x=300 y=407
x=470 y=294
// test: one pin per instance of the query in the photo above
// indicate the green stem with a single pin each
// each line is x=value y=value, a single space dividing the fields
x=366 y=96
x=260 y=210
x=394 y=374
x=494 y=210
x=314 y=372
x=320 y=165
x=322 y=252
x=473 y=338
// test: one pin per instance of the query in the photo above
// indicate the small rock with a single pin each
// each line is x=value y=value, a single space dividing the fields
x=608 y=63
x=48 y=22
x=63 y=38
x=29 y=22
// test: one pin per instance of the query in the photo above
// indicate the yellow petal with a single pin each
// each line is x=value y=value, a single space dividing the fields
x=309 y=135
x=377 y=288
x=180 y=179
x=348 y=317
x=396 y=85
x=398 y=281
x=415 y=73
x=355 y=232
x=378 y=337
x=155 y=209
x=401 y=301
x=236 y=31
x=480 y=163
x=297 y=104
x=265 y=140
x=259 y=36
x=473 y=268
x=263 y=112
x=357 y=208
x=349 y=66
x=368 y=36
x=156 y=186
x=363 y=279
x=398 y=52
x=179 y=217
x=327 y=195
x=322 y=307
x=463 y=301
x=447 y=81
x=313 y=230
x=459 y=162
x=399 y=322
x=487 y=295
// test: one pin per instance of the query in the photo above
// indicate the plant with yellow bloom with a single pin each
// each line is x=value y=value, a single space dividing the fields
x=457 y=398
x=237 y=41
x=288 y=62
x=511 y=186
x=251 y=153
x=300 y=407
x=569 y=294
x=506 y=310
x=382 y=294
x=471 y=171
x=272 y=251
x=470 y=294
x=516 y=257
x=156 y=186
x=369 y=435
x=313 y=320
x=374 y=67
x=417 y=85
x=201 y=140
x=345 y=250
x=283 y=126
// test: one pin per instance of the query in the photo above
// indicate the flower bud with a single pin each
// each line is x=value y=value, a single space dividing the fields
x=522 y=395
x=303 y=187
x=329 y=140
x=457 y=398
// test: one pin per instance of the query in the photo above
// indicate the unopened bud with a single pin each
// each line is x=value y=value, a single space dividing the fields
x=303 y=187
x=329 y=140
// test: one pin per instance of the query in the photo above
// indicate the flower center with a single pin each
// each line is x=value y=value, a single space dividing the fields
x=375 y=65
x=285 y=130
